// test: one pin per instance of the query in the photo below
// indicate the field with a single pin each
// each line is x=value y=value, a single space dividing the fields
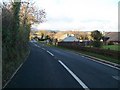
x=112 y=47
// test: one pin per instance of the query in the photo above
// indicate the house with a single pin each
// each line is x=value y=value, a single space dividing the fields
x=70 y=39
x=60 y=36
x=113 y=37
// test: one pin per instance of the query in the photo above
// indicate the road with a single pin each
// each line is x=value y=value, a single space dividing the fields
x=51 y=67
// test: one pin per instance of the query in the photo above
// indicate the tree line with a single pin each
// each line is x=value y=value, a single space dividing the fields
x=17 y=18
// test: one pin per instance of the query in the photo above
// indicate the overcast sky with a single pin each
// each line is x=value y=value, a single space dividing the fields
x=84 y=15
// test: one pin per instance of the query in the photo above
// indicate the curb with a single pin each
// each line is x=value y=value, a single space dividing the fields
x=108 y=63
x=101 y=60
x=17 y=68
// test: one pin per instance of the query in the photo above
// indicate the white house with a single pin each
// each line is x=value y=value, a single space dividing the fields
x=70 y=39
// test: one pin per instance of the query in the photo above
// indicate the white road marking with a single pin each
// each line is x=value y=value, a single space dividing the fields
x=16 y=71
x=43 y=48
x=33 y=41
x=116 y=77
x=35 y=44
x=13 y=75
x=38 y=46
x=50 y=53
x=75 y=77
x=104 y=63
x=86 y=56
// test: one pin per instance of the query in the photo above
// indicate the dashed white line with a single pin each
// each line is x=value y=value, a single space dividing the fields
x=116 y=77
x=50 y=53
x=38 y=46
x=75 y=77
x=43 y=48
x=35 y=44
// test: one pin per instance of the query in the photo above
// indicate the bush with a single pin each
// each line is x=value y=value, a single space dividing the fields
x=14 y=40
x=110 y=43
x=97 y=44
x=105 y=52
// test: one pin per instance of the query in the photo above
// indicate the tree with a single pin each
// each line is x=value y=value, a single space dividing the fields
x=16 y=23
x=47 y=37
x=11 y=50
x=97 y=36
x=17 y=18
x=42 y=35
x=105 y=38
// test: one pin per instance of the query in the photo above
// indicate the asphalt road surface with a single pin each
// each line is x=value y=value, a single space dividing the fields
x=50 y=67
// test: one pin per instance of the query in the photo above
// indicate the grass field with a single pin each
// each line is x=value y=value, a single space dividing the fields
x=112 y=47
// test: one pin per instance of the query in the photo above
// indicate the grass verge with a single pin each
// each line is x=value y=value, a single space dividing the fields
x=112 y=47
x=113 y=60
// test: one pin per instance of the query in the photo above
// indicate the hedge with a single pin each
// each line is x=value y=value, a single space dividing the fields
x=78 y=47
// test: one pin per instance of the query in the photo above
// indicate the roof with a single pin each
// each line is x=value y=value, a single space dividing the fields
x=59 y=34
x=113 y=36
x=70 y=39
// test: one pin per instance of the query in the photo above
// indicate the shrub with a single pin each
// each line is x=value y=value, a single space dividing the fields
x=97 y=44
x=105 y=52
x=110 y=43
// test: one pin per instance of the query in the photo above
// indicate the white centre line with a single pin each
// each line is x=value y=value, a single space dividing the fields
x=43 y=48
x=75 y=77
x=50 y=53
x=35 y=45
x=32 y=43
x=38 y=46
x=116 y=77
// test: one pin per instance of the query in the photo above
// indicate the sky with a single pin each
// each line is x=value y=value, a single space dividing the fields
x=82 y=15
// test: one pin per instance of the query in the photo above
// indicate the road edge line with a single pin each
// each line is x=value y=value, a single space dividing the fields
x=101 y=61
x=16 y=70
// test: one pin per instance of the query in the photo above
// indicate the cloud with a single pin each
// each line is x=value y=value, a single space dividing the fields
x=80 y=14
